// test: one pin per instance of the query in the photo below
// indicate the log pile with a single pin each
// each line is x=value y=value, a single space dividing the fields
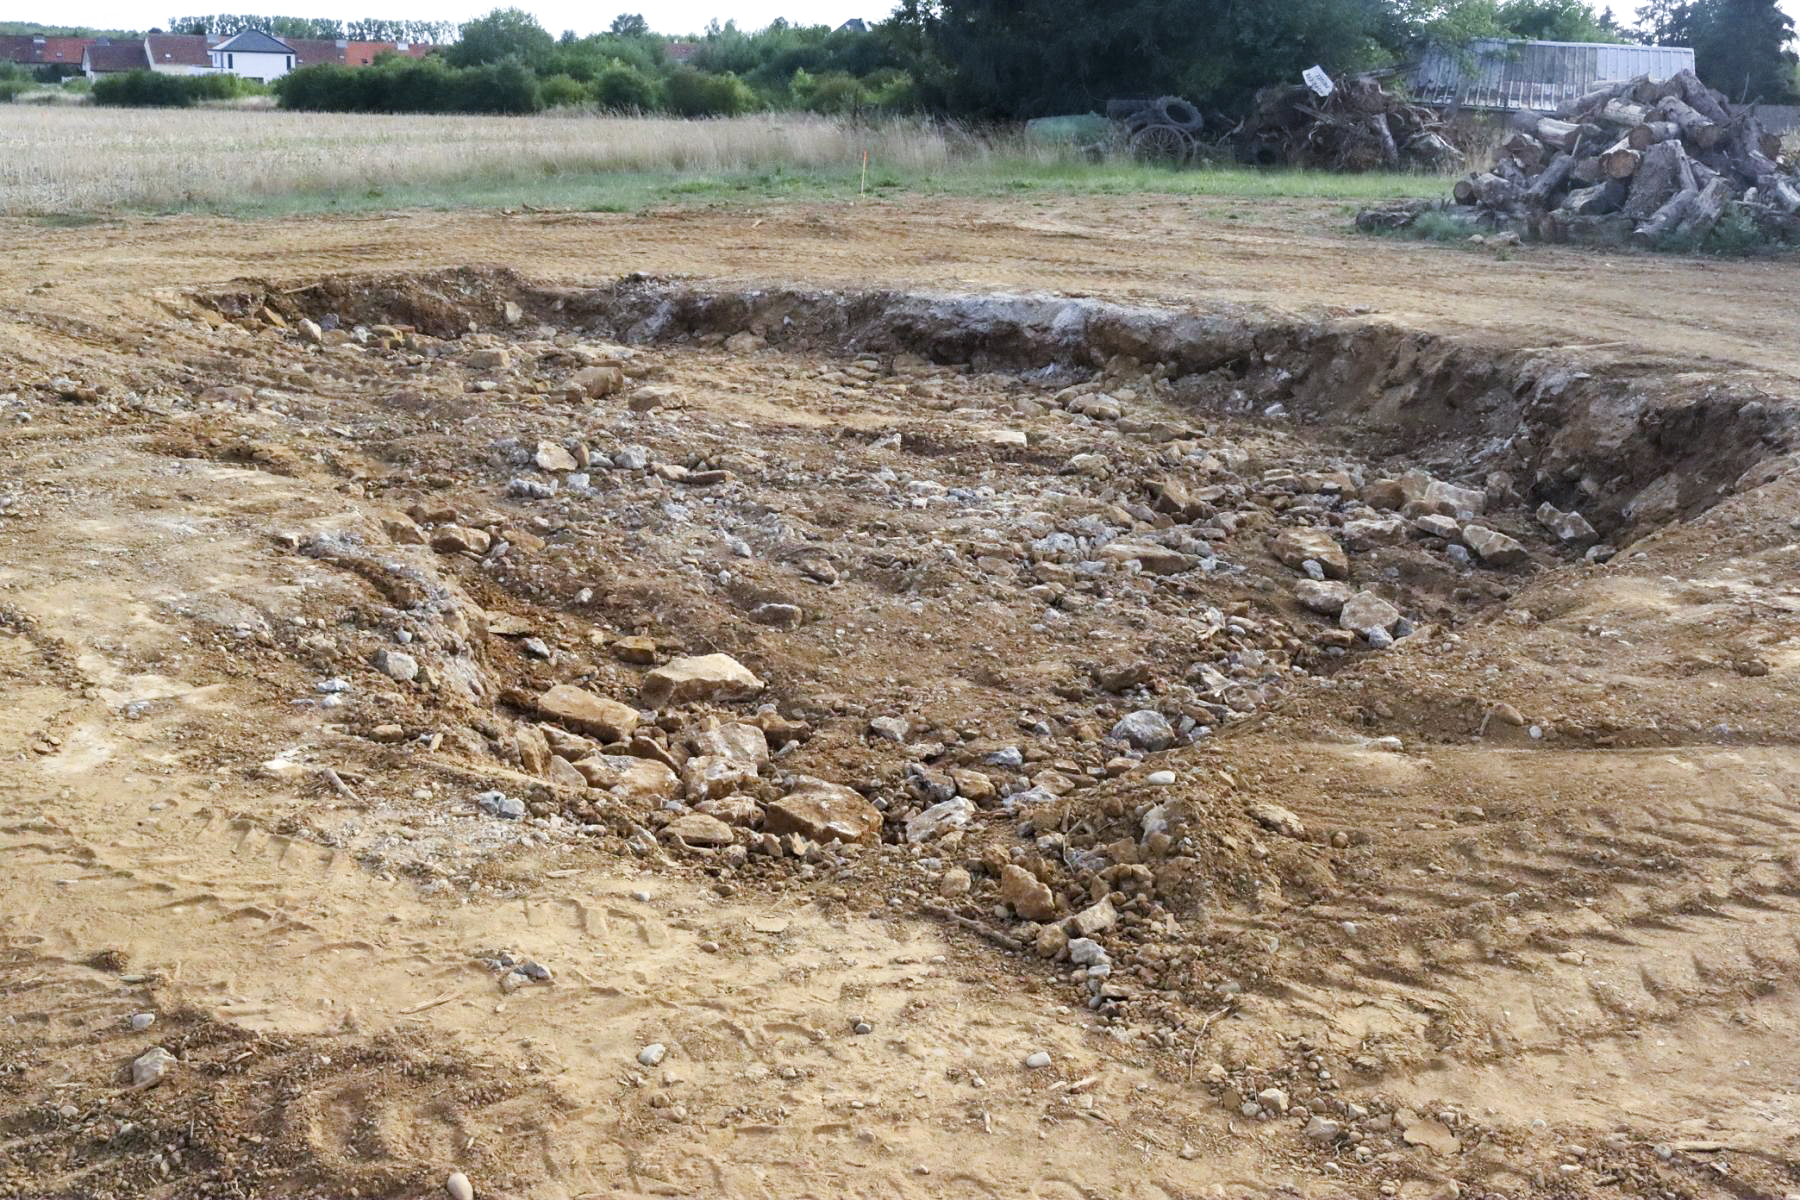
x=1361 y=126
x=1645 y=162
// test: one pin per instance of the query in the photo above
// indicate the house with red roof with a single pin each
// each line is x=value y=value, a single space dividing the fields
x=179 y=53
x=37 y=50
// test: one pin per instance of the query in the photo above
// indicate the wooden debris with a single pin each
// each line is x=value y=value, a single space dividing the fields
x=1361 y=126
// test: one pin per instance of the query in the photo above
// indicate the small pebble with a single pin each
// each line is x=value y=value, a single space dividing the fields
x=653 y=1054
x=1037 y=1061
x=458 y=1187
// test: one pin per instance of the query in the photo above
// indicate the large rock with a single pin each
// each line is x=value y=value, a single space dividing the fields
x=584 y=712
x=595 y=382
x=707 y=677
x=1385 y=494
x=737 y=740
x=1570 y=527
x=454 y=539
x=1494 y=548
x=534 y=749
x=1145 y=729
x=698 y=829
x=629 y=778
x=551 y=456
x=1295 y=546
x=1157 y=560
x=824 y=812
x=1366 y=612
x=1326 y=597
x=707 y=776
x=1281 y=820
x=1095 y=919
x=1029 y=897
x=940 y=819
x=1438 y=526
x=1366 y=533
x=733 y=810
x=152 y=1067
x=1449 y=500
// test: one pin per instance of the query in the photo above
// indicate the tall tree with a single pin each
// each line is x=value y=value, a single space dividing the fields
x=1741 y=48
x=1022 y=58
x=502 y=34
x=630 y=25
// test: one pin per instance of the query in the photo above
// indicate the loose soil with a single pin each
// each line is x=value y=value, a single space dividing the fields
x=1506 y=909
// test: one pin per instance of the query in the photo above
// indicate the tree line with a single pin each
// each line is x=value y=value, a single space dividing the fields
x=324 y=29
x=991 y=59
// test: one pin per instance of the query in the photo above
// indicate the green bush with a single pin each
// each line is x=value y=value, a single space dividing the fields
x=623 y=88
x=409 y=85
x=12 y=89
x=692 y=93
x=560 y=91
x=149 y=89
x=834 y=93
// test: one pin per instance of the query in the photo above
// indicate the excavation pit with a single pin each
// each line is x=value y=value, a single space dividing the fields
x=1047 y=586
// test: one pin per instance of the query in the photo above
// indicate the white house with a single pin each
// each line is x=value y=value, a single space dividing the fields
x=254 y=55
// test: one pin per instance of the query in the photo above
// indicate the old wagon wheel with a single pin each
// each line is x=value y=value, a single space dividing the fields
x=1162 y=143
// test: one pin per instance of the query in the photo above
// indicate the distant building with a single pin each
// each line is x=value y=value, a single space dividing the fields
x=311 y=52
x=178 y=53
x=364 y=54
x=254 y=54
x=113 y=58
x=854 y=25
x=680 y=52
x=1542 y=76
x=37 y=50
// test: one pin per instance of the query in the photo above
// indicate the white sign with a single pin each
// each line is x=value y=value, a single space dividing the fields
x=1318 y=81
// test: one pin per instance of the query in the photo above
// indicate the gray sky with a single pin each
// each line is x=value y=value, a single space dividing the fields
x=666 y=16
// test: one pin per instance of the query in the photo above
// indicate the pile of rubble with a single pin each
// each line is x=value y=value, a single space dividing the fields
x=1645 y=162
x=1360 y=126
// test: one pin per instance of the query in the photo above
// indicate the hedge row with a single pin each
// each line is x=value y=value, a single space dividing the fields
x=405 y=85
x=151 y=89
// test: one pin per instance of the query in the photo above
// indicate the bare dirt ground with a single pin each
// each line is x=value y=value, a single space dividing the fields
x=1504 y=908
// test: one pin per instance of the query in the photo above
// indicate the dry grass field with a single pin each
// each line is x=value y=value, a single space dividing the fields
x=77 y=159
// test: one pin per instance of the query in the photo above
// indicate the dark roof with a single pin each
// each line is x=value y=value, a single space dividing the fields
x=178 y=49
x=312 y=51
x=109 y=57
x=854 y=25
x=255 y=41
x=36 y=48
x=21 y=49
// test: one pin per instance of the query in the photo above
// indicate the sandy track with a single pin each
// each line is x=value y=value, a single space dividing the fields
x=1549 y=967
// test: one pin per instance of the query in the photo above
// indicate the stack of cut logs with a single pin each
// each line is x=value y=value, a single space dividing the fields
x=1647 y=162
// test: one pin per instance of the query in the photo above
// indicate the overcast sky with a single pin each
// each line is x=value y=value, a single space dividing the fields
x=666 y=16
